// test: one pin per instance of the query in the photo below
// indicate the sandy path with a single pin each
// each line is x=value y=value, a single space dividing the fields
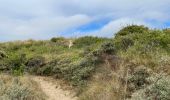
x=51 y=89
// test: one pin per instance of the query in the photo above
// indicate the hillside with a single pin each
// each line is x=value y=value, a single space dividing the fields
x=132 y=65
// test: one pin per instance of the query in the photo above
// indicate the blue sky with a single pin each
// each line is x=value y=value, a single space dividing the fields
x=43 y=19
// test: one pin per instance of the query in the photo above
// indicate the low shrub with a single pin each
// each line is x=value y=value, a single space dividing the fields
x=105 y=49
x=158 y=90
x=3 y=65
x=88 y=41
x=60 y=41
x=57 y=39
x=138 y=79
x=82 y=71
x=16 y=62
x=123 y=43
x=33 y=64
x=108 y=48
x=2 y=55
x=77 y=73
x=36 y=61
x=16 y=88
x=45 y=70
x=132 y=29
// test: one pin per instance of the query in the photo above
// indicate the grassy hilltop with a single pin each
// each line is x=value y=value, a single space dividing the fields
x=134 y=65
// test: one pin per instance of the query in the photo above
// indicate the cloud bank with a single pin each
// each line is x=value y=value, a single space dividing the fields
x=43 y=19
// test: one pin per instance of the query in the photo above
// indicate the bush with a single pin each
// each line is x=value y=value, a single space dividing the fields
x=17 y=63
x=138 y=79
x=158 y=90
x=82 y=71
x=45 y=70
x=105 y=48
x=132 y=29
x=2 y=55
x=167 y=31
x=158 y=38
x=19 y=89
x=60 y=41
x=88 y=41
x=3 y=66
x=108 y=48
x=57 y=39
x=86 y=51
x=76 y=73
x=123 y=43
x=35 y=63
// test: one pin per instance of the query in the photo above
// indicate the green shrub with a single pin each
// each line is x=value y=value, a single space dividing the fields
x=76 y=73
x=158 y=38
x=132 y=29
x=45 y=70
x=82 y=71
x=88 y=41
x=158 y=90
x=108 y=48
x=36 y=61
x=3 y=66
x=167 y=30
x=60 y=41
x=16 y=88
x=2 y=55
x=123 y=43
x=86 y=51
x=105 y=48
x=16 y=62
x=138 y=79
x=17 y=91
x=57 y=39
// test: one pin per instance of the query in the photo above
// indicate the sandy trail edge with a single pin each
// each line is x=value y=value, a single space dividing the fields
x=50 y=88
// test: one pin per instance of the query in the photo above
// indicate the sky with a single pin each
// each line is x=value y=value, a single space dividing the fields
x=44 y=19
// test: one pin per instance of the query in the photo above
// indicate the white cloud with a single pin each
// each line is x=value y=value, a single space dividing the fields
x=39 y=27
x=114 y=26
x=41 y=19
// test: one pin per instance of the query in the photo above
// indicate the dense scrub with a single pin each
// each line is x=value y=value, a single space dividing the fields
x=124 y=67
x=19 y=88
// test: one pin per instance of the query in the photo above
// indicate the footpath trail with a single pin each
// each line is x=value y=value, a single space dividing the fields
x=50 y=87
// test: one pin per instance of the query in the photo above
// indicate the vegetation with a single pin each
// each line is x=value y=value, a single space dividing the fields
x=19 y=88
x=134 y=65
x=132 y=29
